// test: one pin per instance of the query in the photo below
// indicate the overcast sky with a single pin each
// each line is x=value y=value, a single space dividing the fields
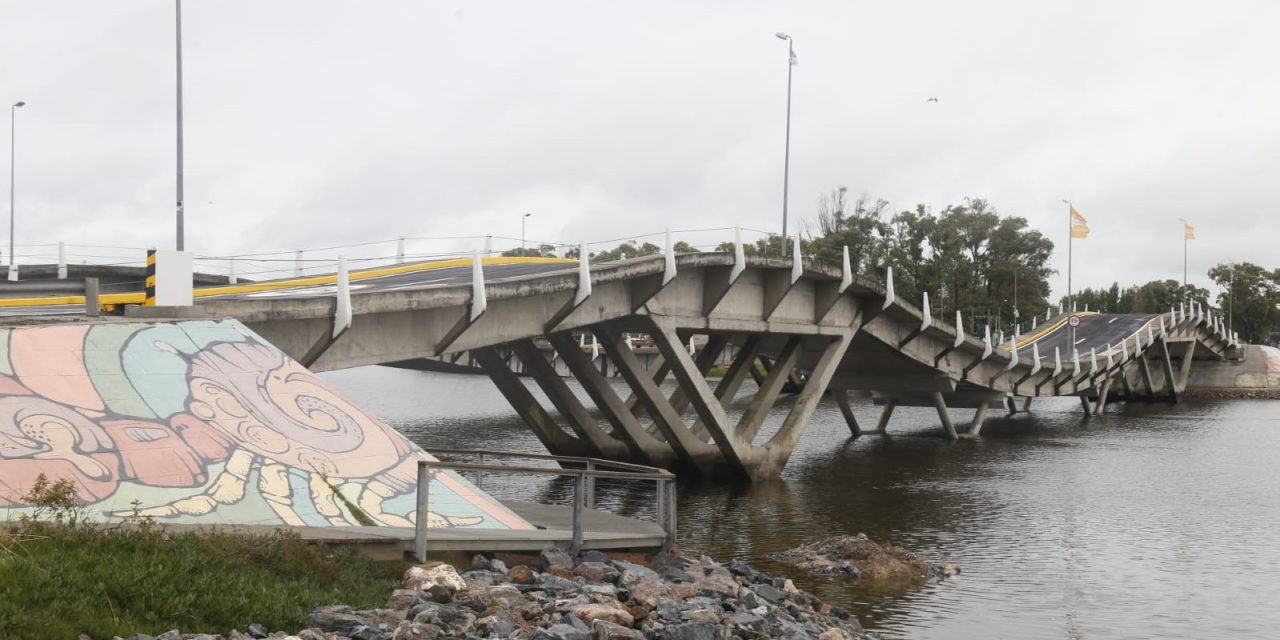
x=320 y=123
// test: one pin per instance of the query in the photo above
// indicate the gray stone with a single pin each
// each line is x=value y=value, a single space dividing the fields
x=500 y=626
x=748 y=598
x=555 y=558
x=366 y=632
x=141 y=636
x=558 y=632
x=428 y=612
x=744 y=619
x=597 y=571
x=174 y=634
x=595 y=555
x=400 y=599
x=602 y=630
x=498 y=566
x=633 y=573
x=770 y=593
x=668 y=611
x=552 y=582
x=601 y=589
x=481 y=563
x=701 y=615
x=694 y=631
x=311 y=634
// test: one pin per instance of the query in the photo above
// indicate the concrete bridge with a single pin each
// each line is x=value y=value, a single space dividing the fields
x=822 y=324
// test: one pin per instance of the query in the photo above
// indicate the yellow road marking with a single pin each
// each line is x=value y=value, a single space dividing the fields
x=1032 y=337
x=225 y=290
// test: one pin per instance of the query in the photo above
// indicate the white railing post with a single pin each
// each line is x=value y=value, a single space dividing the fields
x=62 y=261
x=297 y=264
x=342 y=304
x=479 y=302
x=400 y=250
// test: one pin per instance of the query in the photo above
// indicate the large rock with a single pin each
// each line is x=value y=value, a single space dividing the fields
x=607 y=611
x=885 y=565
x=602 y=630
x=596 y=571
x=695 y=631
x=343 y=621
x=555 y=558
x=648 y=593
x=423 y=577
x=714 y=578
x=633 y=573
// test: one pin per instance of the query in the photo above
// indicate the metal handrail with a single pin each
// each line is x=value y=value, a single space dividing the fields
x=599 y=462
x=583 y=488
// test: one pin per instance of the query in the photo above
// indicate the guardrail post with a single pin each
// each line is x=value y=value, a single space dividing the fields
x=670 y=527
x=591 y=486
x=91 y=304
x=480 y=475
x=660 y=504
x=579 y=492
x=420 y=524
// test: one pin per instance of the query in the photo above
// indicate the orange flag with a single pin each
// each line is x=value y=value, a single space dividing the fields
x=1079 y=226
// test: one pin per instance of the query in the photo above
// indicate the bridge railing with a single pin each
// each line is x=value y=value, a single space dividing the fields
x=583 y=470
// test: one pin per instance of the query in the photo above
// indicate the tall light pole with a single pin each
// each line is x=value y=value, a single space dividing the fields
x=13 y=154
x=1185 y=294
x=522 y=220
x=786 y=157
x=178 y=15
x=1070 y=237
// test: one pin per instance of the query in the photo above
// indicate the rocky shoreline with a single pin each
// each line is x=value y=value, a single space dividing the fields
x=860 y=558
x=592 y=597
x=1233 y=394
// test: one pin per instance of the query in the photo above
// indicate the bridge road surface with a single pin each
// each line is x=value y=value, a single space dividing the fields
x=424 y=277
x=1096 y=331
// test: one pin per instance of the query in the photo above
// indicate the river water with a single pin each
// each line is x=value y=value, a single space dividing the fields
x=1152 y=521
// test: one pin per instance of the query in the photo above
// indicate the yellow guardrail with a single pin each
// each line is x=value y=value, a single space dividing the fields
x=112 y=299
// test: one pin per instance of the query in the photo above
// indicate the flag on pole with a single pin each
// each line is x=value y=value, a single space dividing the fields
x=1189 y=231
x=1079 y=226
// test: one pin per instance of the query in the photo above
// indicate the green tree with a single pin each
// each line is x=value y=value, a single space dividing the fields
x=1252 y=293
x=540 y=251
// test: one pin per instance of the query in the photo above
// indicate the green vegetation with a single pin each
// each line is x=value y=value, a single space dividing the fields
x=1251 y=292
x=966 y=256
x=60 y=578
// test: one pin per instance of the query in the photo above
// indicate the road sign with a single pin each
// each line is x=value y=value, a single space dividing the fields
x=1074 y=321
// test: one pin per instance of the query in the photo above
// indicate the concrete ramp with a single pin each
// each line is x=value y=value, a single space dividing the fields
x=204 y=422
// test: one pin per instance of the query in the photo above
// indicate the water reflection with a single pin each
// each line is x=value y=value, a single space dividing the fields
x=1153 y=521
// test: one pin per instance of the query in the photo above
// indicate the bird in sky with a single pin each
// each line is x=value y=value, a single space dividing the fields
x=931 y=100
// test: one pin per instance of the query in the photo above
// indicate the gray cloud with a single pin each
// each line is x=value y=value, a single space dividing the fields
x=322 y=123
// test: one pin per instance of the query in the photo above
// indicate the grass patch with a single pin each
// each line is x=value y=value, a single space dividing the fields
x=57 y=581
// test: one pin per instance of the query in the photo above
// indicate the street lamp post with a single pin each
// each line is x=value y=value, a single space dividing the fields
x=786 y=157
x=522 y=220
x=181 y=231
x=1185 y=294
x=13 y=128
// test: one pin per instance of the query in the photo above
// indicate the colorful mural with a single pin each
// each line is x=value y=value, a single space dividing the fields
x=205 y=422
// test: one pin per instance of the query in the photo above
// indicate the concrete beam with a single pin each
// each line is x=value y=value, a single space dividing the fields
x=625 y=426
x=762 y=402
x=543 y=426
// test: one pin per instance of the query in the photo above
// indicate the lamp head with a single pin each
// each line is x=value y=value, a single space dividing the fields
x=527 y=215
x=782 y=36
x=19 y=104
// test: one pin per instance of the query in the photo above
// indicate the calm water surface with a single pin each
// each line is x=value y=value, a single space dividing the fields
x=1149 y=522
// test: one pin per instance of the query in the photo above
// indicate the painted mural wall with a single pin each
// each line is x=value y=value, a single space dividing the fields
x=205 y=422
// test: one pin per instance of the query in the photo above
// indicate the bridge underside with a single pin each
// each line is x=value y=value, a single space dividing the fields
x=814 y=325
